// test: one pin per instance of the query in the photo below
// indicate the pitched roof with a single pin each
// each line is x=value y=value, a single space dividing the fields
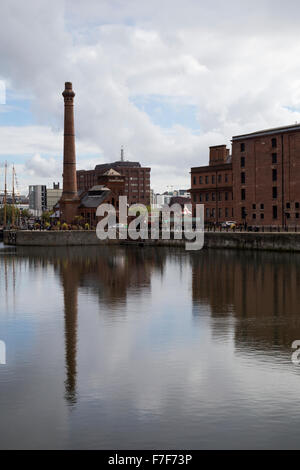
x=111 y=172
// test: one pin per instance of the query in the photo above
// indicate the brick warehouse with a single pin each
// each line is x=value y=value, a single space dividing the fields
x=263 y=177
x=212 y=186
x=137 y=179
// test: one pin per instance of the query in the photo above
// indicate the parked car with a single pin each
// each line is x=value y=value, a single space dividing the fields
x=229 y=224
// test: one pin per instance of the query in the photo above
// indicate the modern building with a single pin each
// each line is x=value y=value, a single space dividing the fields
x=53 y=196
x=212 y=186
x=37 y=199
x=137 y=179
x=258 y=185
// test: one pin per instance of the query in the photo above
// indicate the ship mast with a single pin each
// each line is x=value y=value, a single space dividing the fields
x=5 y=196
x=13 y=198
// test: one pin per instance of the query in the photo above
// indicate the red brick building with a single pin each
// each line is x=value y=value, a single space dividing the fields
x=212 y=186
x=111 y=186
x=258 y=185
x=266 y=175
x=137 y=179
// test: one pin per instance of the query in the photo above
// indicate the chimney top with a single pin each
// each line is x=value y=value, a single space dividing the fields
x=68 y=85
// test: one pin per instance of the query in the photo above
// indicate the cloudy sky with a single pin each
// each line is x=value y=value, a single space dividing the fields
x=166 y=79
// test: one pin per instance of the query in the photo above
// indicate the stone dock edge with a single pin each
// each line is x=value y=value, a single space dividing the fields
x=288 y=242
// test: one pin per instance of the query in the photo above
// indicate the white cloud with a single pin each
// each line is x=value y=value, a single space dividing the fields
x=235 y=62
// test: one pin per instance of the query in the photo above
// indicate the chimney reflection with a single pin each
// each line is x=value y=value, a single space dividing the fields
x=69 y=276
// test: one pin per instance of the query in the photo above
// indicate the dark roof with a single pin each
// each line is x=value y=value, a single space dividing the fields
x=180 y=200
x=108 y=166
x=94 y=198
x=274 y=130
x=212 y=168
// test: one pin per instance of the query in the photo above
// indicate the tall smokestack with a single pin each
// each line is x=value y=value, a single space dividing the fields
x=69 y=199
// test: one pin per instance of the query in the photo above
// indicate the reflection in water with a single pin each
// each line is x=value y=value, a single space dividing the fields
x=150 y=347
x=69 y=277
x=260 y=291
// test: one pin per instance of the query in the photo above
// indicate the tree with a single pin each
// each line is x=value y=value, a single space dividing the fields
x=9 y=213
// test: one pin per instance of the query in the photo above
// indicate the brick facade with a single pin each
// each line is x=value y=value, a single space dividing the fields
x=212 y=186
x=266 y=174
x=137 y=180
x=258 y=185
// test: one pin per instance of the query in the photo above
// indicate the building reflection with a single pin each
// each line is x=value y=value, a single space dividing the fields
x=110 y=274
x=259 y=290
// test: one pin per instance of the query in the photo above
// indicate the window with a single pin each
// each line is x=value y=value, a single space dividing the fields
x=195 y=197
x=262 y=206
x=274 y=191
x=207 y=213
x=206 y=179
x=288 y=216
x=297 y=205
x=206 y=196
x=226 y=196
x=254 y=207
x=220 y=196
x=242 y=147
x=200 y=179
x=242 y=162
x=297 y=215
x=213 y=213
x=243 y=212
x=275 y=212
x=213 y=179
x=262 y=216
x=253 y=216
x=274 y=143
x=226 y=212
x=213 y=196
x=219 y=178
x=243 y=194
x=274 y=175
x=274 y=158
x=194 y=180
x=220 y=213
x=243 y=178
x=226 y=178
x=200 y=197
x=288 y=205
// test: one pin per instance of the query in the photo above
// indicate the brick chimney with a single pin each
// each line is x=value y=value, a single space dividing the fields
x=69 y=200
x=218 y=155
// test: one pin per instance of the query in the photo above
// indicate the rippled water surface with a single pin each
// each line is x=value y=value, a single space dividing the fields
x=148 y=348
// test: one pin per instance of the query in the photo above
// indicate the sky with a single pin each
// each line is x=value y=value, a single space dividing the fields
x=165 y=79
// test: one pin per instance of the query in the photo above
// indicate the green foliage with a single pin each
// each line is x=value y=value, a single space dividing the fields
x=87 y=226
x=64 y=226
x=9 y=212
x=46 y=216
x=25 y=214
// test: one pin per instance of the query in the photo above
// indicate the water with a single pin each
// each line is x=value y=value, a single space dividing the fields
x=149 y=348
